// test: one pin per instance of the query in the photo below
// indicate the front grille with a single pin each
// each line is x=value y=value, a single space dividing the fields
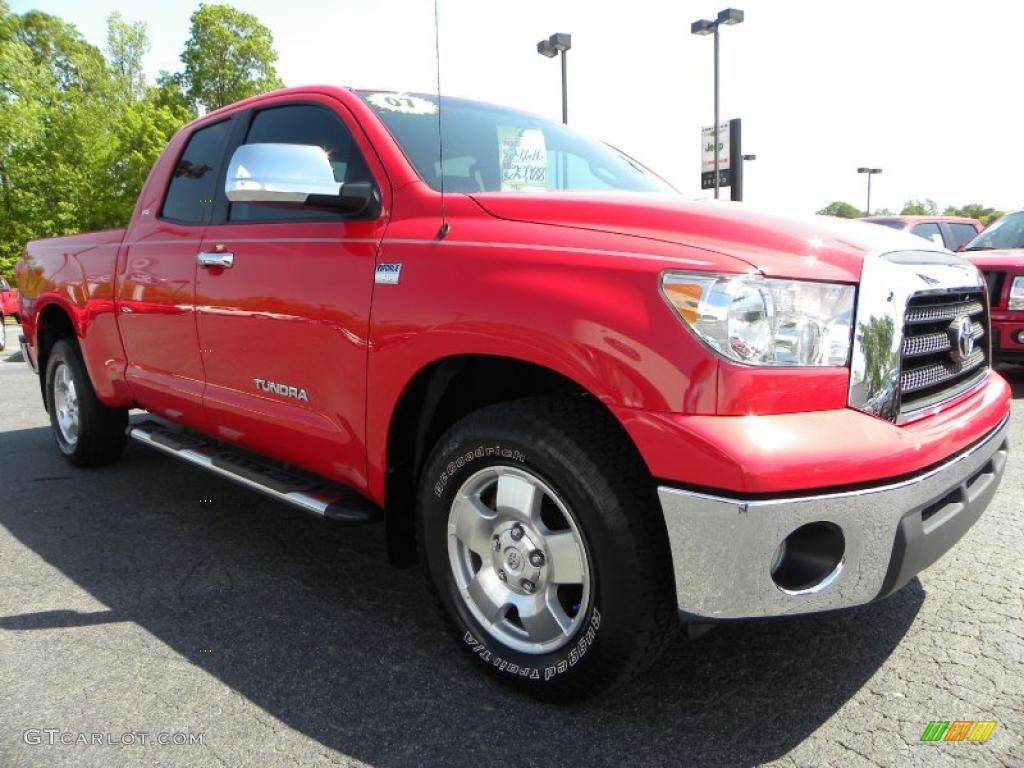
x=994 y=281
x=932 y=369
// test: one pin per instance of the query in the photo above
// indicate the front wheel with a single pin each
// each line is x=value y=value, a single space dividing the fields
x=540 y=531
x=87 y=433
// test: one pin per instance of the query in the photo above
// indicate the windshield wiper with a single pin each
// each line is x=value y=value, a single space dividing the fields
x=981 y=248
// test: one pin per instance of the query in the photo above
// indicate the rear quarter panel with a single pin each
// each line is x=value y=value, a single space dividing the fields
x=76 y=274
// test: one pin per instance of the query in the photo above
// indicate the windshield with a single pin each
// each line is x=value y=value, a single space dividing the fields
x=1008 y=232
x=494 y=149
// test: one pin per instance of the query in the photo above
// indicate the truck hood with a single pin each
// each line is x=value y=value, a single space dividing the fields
x=808 y=247
x=1008 y=259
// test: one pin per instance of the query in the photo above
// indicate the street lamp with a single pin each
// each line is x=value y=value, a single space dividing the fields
x=558 y=43
x=729 y=17
x=870 y=172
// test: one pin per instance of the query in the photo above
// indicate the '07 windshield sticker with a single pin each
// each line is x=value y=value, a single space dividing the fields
x=523 y=159
x=402 y=102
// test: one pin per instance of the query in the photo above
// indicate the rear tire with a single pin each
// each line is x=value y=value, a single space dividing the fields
x=87 y=433
x=580 y=597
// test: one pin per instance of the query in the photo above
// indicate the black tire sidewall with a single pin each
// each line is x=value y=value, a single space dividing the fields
x=605 y=635
x=62 y=352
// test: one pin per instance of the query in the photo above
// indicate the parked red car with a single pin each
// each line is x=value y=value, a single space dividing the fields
x=948 y=231
x=586 y=405
x=8 y=308
x=999 y=253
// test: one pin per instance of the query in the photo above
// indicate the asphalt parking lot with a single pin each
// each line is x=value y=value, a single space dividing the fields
x=151 y=598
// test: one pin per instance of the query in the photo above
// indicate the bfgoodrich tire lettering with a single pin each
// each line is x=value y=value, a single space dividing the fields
x=597 y=545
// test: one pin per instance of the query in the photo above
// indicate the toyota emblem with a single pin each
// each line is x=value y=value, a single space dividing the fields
x=963 y=339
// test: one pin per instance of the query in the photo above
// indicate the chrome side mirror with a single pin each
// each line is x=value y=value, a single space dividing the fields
x=294 y=173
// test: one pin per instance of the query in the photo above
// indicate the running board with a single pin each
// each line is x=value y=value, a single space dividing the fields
x=320 y=497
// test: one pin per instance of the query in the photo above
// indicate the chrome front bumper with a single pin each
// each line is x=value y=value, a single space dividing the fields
x=723 y=549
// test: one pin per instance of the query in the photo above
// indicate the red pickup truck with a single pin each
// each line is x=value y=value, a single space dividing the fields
x=588 y=407
x=8 y=308
x=999 y=253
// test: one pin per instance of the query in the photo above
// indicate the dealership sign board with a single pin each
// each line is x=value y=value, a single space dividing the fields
x=707 y=154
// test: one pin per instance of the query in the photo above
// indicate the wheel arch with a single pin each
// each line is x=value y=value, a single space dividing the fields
x=438 y=395
x=54 y=322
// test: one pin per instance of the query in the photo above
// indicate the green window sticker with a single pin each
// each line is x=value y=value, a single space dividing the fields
x=523 y=159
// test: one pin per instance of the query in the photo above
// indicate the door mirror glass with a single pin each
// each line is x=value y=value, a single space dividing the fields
x=297 y=174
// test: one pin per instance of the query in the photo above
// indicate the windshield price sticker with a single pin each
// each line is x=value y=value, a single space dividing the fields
x=523 y=159
x=402 y=102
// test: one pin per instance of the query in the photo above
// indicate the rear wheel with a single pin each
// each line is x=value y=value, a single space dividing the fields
x=87 y=433
x=540 y=531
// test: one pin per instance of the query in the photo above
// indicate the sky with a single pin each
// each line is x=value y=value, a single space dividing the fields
x=928 y=91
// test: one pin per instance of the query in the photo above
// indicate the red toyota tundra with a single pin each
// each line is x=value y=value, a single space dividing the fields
x=588 y=407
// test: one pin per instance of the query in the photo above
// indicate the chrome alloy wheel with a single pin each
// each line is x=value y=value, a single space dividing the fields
x=65 y=401
x=518 y=559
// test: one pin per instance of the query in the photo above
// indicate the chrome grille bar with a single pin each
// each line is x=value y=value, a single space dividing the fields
x=915 y=346
x=938 y=373
x=937 y=312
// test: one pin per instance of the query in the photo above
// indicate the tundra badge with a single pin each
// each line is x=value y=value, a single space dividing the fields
x=282 y=389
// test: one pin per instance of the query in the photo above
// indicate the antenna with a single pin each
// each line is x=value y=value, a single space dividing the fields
x=440 y=135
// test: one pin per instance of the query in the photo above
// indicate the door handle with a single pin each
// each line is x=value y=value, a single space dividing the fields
x=215 y=259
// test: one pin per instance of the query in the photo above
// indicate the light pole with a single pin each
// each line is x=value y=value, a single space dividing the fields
x=558 y=43
x=870 y=172
x=729 y=16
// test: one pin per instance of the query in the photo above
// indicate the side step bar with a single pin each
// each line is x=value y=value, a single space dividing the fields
x=320 y=497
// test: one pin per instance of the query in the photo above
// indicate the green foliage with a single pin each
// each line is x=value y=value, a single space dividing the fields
x=80 y=128
x=229 y=56
x=841 y=209
x=920 y=208
x=881 y=212
x=977 y=211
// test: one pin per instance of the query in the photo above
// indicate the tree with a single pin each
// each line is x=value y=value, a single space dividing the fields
x=974 y=211
x=127 y=45
x=920 y=208
x=841 y=209
x=78 y=132
x=229 y=56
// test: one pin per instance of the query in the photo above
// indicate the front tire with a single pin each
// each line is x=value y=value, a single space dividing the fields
x=87 y=433
x=540 y=531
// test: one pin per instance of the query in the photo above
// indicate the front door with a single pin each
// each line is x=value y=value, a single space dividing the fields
x=283 y=329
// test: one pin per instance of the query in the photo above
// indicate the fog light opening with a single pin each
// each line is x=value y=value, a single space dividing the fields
x=1019 y=337
x=809 y=559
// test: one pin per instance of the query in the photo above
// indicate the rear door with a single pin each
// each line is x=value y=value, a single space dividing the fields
x=283 y=330
x=156 y=286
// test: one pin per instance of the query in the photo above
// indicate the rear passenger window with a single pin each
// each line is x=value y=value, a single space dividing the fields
x=962 y=233
x=303 y=124
x=929 y=231
x=193 y=184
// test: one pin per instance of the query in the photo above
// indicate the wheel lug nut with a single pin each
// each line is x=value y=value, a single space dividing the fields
x=496 y=543
x=528 y=586
x=516 y=532
x=502 y=576
x=536 y=558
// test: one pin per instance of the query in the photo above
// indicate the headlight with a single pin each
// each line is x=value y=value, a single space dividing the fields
x=760 y=321
x=1016 y=294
